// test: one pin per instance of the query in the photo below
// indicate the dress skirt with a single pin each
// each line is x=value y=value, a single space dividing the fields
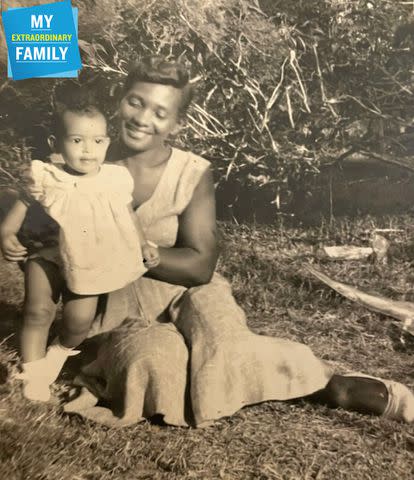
x=188 y=355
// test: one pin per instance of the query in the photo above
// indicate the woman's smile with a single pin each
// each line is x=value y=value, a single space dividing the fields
x=136 y=131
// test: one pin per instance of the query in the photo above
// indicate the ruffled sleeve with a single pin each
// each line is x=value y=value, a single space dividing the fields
x=35 y=180
x=122 y=183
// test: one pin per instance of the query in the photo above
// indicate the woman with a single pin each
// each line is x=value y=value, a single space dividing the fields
x=178 y=343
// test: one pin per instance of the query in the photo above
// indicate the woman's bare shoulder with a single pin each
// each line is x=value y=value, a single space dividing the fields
x=191 y=158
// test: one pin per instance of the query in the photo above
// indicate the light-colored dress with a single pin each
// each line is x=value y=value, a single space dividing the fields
x=186 y=354
x=99 y=246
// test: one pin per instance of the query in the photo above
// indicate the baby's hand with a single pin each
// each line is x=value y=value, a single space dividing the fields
x=11 y=248
x=151 y=255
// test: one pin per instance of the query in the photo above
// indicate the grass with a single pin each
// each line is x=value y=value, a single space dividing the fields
x=274 y=440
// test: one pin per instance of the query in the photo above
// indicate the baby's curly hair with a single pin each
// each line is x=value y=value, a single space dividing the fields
x=73 y=97
x=157 y=69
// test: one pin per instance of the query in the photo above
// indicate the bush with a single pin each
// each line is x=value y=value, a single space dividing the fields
x=283 y=87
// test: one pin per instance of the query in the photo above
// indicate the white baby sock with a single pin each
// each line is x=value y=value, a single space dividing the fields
x=56 y=357
x=35 y=381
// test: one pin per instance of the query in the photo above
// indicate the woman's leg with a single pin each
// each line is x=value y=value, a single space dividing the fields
x=230 y=365
x=43 y=285
x=361 y=394
x=370 y=395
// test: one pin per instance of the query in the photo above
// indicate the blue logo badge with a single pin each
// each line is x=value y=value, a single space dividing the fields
x=42 y=41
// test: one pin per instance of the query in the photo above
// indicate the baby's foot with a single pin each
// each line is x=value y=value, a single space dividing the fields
x=36 y=391
x=35 y=383
x=56 y=357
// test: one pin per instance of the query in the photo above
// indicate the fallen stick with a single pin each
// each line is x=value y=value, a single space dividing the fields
x=384 y=230
x=398 y=309
x=345 y=252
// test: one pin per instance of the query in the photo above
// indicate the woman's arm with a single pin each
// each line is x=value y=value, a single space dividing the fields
x=10 y=246
x=193 y=259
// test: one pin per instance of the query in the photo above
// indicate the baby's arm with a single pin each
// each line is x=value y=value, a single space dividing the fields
x=10 y=246
x=149 y=249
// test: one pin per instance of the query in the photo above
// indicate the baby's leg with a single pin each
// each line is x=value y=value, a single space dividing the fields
x=43 y=285
x=78 y=314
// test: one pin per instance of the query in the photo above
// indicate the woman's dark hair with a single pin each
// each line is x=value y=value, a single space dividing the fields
x=165 y=72
x=73 y=97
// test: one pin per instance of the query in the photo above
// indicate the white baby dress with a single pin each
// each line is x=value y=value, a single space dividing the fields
x=98 y=242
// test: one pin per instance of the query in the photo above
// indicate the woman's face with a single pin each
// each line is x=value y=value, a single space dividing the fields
x=149 y=112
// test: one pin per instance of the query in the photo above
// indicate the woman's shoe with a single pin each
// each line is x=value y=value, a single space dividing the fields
x=400 y=402
x=400 y=405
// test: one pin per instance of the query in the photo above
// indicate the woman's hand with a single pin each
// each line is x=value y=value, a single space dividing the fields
x=11 y=248
x=151 y=255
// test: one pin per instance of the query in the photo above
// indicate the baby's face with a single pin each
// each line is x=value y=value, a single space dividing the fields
x=84 y=142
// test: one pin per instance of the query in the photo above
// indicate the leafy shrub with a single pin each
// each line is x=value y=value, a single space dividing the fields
x=283 y=87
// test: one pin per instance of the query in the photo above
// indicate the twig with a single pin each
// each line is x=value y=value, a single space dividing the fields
x=196 y=79
x=384 y=230
x=331 y=212
x=250 y=42
x=295 y=68
x=376 y=112
x=254 y=121
x=323 y=93
x=289 y=106
x=256 y=8
x=233 y=159
x=388 y=159
x=274 y=144
x=249 y=91
x=403 y=87
x=212 y=118
x=210 y=94
x=274 y=95
x=255 y=86
x=192 y=127
x=204 y=127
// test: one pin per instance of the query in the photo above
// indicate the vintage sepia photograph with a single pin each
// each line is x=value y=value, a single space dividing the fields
x=207 y=240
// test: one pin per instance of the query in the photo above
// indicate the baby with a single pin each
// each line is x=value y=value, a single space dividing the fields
x=101 y=243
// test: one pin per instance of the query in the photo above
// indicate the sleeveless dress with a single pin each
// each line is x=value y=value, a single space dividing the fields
x=185 y=354
x=99 y=248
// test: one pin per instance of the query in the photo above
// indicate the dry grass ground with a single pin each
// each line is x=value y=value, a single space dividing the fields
x=292 y=440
